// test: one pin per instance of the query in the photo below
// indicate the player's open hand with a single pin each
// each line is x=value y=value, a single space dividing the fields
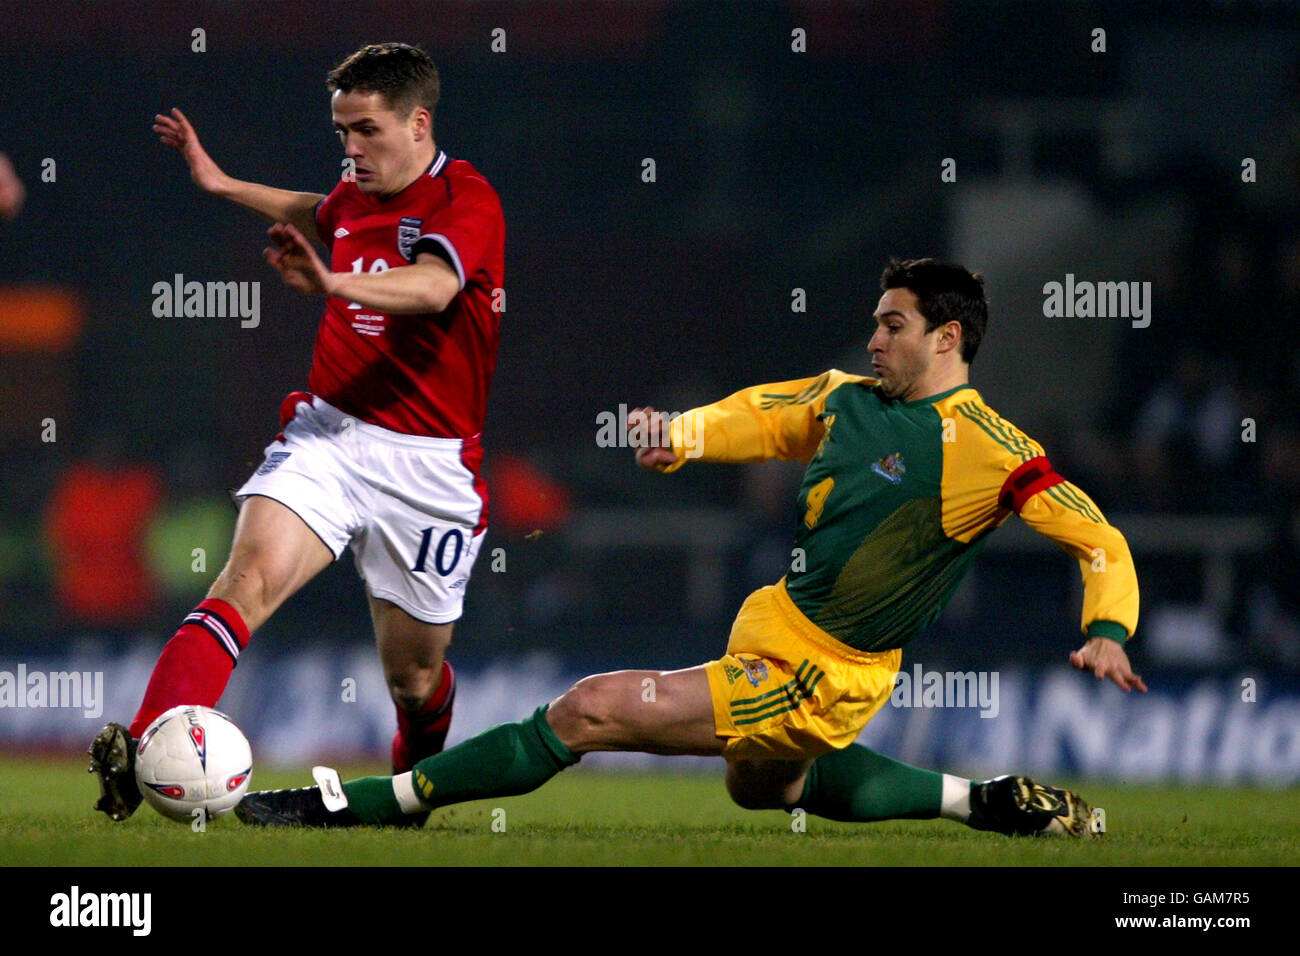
x=175 y=131
x=1106 y=658
x=295 y=260
x=647 y=432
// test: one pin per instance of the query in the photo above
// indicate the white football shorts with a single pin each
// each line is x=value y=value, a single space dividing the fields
x=411 y=507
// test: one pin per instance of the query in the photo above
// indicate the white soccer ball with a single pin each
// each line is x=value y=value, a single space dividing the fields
x=193 y=758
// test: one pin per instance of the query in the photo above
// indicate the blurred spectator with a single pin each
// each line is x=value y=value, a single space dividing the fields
x=1272 y=611
x=1187 y=438
x=1270 y=614
x=1278 y=152
x=95 y=525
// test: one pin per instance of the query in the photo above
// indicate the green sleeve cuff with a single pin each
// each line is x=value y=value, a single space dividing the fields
x=1111 y=629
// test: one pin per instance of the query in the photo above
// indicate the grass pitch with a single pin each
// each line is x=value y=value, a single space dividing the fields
x=615 y=819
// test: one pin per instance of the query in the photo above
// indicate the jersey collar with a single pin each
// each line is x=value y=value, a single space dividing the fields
x=440 y=160
x=939 y=396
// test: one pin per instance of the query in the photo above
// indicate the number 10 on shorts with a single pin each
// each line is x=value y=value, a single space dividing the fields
x=446 y=554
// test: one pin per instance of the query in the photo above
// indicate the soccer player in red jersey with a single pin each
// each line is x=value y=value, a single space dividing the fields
x=383 y=453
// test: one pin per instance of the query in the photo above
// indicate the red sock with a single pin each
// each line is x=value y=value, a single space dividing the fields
x=423 y=733
x=195 y=666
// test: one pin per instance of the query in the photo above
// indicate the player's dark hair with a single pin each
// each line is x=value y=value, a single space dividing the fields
x=402 y=74
x=944 y=292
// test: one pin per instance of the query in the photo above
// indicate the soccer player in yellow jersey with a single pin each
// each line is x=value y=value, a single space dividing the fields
x=908 y=472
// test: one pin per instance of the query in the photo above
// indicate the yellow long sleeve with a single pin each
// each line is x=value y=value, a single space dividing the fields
x=777 y=420
x=1110 y=587
x=982 y=454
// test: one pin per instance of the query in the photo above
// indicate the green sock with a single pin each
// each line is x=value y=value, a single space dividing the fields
x=860 y=785
x=504 y=761
x=372 y=799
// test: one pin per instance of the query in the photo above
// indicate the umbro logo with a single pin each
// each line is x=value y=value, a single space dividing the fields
x=340 y=232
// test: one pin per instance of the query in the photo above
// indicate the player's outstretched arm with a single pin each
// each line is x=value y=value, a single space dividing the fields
x=1069 y=517
x=280 y=205
x=776 y=420
x=428 y=285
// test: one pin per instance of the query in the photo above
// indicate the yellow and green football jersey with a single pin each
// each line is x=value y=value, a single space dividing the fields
x=898 y=498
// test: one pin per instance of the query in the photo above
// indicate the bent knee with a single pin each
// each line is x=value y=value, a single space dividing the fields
x=582 y=715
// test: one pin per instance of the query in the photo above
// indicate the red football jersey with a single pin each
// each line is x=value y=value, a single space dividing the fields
x=421 y=374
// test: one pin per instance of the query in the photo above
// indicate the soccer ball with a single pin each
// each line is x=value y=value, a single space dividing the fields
x=193 y=758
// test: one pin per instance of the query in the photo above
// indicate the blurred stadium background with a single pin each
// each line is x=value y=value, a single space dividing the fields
x=775 y=171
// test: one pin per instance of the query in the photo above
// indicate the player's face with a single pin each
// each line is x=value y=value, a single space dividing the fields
x=385 y=147
x=901 y=349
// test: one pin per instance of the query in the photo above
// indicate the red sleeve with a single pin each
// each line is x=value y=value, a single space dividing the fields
x=467 y=231
x=326 y=215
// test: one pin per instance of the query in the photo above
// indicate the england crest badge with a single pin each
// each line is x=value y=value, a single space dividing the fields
x=408 y=230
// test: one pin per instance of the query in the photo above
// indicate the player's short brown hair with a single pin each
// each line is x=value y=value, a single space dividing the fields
x=404 y=75
x=945 y=292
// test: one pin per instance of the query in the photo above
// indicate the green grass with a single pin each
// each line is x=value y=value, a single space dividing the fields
x=593 y=818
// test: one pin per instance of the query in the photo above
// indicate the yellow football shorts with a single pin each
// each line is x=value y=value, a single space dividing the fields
x=787 y=690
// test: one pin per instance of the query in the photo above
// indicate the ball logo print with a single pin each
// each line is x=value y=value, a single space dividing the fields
x=145 y=740
x=193 y=759
x=196 y=738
